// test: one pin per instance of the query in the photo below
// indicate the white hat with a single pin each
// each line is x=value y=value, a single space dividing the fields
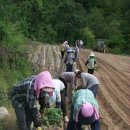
x=65 y=42
x=91 y=54
x=77 y=71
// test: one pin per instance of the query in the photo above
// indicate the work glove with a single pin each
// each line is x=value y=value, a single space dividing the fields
x=38 y=121
x=58 y=104
x=36 y=117
x=41 y=110
x=66 y=119
x=48 y=105
x=73 y=91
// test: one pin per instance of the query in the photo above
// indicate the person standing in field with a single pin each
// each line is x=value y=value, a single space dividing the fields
x=24 y=97
x=76 y=49
x=84 y=111
x=69 y=60
x=63 y=49
x=91 y=62
x=66 y=44
x=81 y=44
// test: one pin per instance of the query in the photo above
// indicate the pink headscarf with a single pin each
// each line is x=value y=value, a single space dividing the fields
x=43 y=80
x=87 y=110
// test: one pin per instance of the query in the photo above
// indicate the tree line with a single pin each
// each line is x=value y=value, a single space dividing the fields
x=53 y=21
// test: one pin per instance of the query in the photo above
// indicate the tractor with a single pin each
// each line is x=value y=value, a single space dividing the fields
x=101 y=46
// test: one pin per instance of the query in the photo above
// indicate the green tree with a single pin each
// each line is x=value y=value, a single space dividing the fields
x=69 y=18
x=88 y=37
x=115 y=36
x=95 y=21
x=10 y=35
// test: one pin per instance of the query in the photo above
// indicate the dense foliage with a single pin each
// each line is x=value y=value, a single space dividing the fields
x=14 y=66
x=57 y=20
x=53 y=21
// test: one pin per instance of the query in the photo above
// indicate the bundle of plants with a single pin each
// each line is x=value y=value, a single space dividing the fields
x=52 y=117
x=96 y=67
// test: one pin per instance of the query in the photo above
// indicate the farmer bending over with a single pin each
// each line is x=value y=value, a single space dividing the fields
x=24 y=99
x=54 y=99
x=84 y=111
x=88 y=81
x=69 y=80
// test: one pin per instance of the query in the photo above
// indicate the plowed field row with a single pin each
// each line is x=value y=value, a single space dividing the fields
x=113 y=95
x=113 y=74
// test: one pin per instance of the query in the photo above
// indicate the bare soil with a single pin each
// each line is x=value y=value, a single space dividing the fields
x=113 y=74
x=114 y=91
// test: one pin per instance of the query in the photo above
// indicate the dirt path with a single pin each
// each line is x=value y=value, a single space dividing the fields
x=114 y=77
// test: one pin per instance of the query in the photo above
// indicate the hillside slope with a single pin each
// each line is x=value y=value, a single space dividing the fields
x=114 y=77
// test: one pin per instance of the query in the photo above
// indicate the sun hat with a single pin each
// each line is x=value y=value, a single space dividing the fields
x=77 y=71
x=91 y=54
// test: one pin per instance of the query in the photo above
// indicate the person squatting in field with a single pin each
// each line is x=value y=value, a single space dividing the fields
x=56 y=99
x=88 y=81
x=63 y=49
x=91 y=62
x=84 y=111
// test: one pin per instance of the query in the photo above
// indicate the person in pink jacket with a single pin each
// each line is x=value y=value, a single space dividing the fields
x=24 y=97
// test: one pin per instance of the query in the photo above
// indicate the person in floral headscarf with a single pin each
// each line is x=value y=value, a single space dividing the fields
x=24 y=98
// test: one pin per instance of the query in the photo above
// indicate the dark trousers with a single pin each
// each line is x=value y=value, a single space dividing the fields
x=63 y=95
x=90 y=71
x=65 y=83
x=69 y=67
x=62 y=54
x=24 y=118
x=72 y=125
x=76 y=57
x=94 y=89
x=94 y=126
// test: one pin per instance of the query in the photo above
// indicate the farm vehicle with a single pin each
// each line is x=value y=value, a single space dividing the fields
x=101 y=46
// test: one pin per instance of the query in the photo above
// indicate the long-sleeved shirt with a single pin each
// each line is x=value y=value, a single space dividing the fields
x=23 y=94
x=88 y=80
x=91 y=62
x=58 y=97
x=59 y=85
x=81 y=97
x=69 y=77
x=69 y=58
x=62 y=47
